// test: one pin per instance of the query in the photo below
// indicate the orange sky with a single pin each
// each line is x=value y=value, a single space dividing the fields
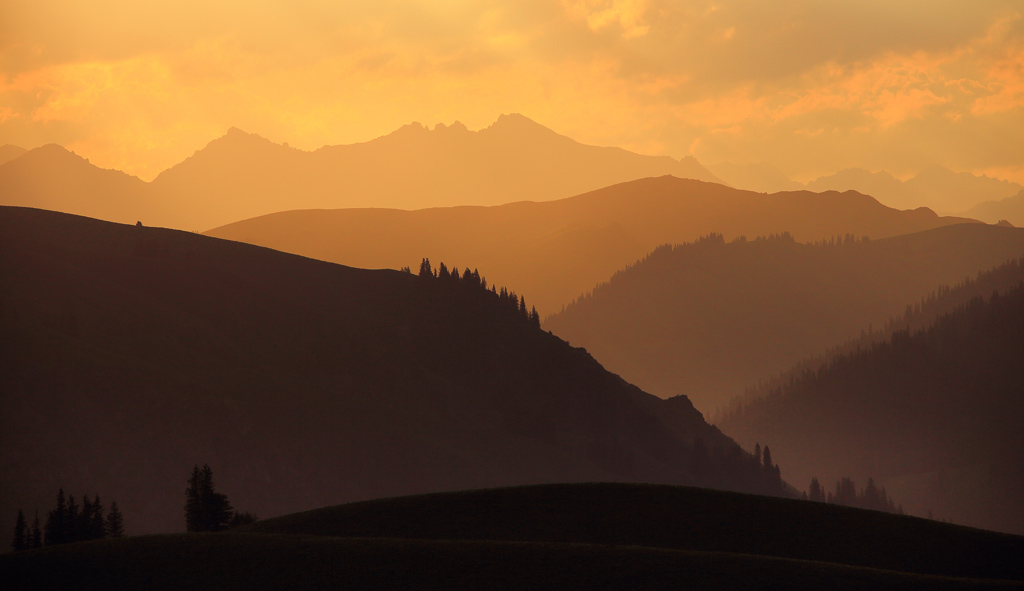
x=808 y=86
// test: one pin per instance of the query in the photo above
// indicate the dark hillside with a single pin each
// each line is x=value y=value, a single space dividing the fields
x=935 y=415
x=132 y=353
x=709 y=318
x=674 y=517
x=258 y=562
x=582 y=536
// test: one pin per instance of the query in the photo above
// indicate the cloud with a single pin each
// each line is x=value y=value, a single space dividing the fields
x=807 y=85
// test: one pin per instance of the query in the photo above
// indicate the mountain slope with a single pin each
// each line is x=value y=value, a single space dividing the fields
x=934 y=415
x=1010 y=209
x=51 y=177
x=710 y=318
x=131 y=353
x=9 y=152
x=556 y=250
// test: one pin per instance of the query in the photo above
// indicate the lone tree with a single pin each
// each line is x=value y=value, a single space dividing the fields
x=205 y=509
x=115 y=522
x=20 y=543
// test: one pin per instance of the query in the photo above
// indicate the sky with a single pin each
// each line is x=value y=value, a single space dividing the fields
x=808 y=86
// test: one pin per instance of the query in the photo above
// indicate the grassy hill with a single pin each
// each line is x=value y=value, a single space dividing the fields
x=601 y=536
x=710 y=318
x=131 y=353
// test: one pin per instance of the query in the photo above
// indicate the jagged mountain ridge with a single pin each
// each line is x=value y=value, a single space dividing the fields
x=242 y=175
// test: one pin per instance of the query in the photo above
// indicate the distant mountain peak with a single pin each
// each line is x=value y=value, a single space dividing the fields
x=456 y=127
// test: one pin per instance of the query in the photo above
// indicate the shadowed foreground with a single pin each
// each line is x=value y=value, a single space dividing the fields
x=554 y=536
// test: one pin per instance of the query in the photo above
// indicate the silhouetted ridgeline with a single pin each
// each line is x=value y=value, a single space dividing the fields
x=709 y=318
x=934 y=414
x=556 y=250
x=241 y=175
x=132 y=353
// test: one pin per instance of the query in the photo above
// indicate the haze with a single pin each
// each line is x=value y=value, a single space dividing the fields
x=808 y=87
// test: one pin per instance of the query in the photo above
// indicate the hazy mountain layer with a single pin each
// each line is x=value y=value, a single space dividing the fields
x=132 y=353
x=53 y=178
x=934 y=415
x=762 y=177
x=554 y=251
x=1010 y=209
x=708 y=319
x=243 y=175
x=937 y=187
x=9 y=152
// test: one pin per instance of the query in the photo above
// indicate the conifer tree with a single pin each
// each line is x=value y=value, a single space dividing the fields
x=19 y=542
x=115 y=523
x=96 y=526
x=71 y=520
x=205 y=509
x=55 y=530
x=425 y=271
x=37 y=535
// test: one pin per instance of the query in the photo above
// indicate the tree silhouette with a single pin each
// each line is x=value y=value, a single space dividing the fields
x=37 y=535
x=19 y=542
x=115 y=523
x=425 y=270
x=54 y=530
x=205 y=509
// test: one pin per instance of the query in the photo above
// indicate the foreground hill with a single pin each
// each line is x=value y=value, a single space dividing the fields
x=935 y=415
x=132 y=353
x=242 y=175
x=555 y=536
x=708 y=319
x=556 y=250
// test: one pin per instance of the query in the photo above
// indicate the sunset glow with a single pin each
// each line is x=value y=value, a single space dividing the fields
x=808 y=87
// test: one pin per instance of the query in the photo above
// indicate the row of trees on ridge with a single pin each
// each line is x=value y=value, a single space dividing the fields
x=69 y=522
x=472 y=279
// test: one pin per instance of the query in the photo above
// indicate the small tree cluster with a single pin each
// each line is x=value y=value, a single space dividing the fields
x=205 y=508
x=472 y=279
x=69 y=522
x=735 y=469
x=846 y=493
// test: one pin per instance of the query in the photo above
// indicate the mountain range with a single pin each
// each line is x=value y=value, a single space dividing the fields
x=710 y=318
x=242 y=175
x=935 y=187
x=554 y=251
x=132 y=353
